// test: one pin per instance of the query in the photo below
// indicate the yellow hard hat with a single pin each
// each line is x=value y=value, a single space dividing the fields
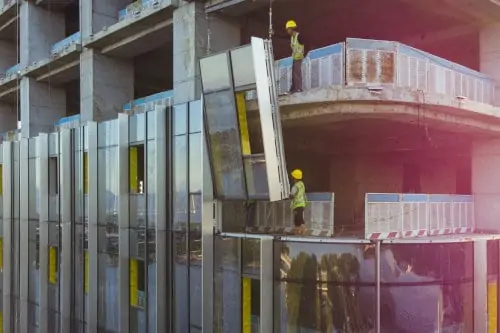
x=297 y=174
x=291 y=25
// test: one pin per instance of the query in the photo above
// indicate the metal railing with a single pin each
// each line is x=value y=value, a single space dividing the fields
x=276 y=217
x=363 y=62
x=396 y=215
x=66 y=43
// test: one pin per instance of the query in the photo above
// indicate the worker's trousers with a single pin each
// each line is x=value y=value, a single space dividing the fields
x=296 y=76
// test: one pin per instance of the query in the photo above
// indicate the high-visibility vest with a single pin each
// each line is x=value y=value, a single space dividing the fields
x=299 y=198
x=297 y=48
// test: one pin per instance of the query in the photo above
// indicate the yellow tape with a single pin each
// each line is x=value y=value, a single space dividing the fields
x=134 y=181
x=86 y=272
x=247 y=306
x=85 y=173
x=134 y=281
x=492 y=307
x=242 y=118
x=1 y=321
x=52 y=264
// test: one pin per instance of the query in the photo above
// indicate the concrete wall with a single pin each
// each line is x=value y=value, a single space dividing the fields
x=8 y=55
x=8 y=117
x=41 y=106
x=96 y=14
x=39 y=30
x=486 y=184
x=191 y=43
x=106 y=85
x=489 y=50
x=351 y=177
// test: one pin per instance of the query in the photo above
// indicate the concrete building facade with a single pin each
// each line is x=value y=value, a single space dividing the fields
x=126 y=164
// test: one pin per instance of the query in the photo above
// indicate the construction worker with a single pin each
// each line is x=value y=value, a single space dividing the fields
x=298 y=52
x=299 y=201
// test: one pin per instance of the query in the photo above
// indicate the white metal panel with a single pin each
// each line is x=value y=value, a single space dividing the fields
x=279 y=188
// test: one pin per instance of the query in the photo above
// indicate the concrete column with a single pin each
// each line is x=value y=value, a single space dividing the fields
x=8 y=55
x=39 y=30
x=41 y=106
x=486 y=184
x=8 y=117
x=489 y=54
x=96 y=14
x=191 y=42
x=106 y=85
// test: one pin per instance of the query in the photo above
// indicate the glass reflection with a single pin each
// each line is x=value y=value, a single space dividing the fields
x=180 y=183
x=323 y=287
x=195 y=180
x=225 y=146
x=431 y=289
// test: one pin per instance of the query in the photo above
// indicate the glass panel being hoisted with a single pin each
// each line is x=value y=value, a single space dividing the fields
x=237 y=173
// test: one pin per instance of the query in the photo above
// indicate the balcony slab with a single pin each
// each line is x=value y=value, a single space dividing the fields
x=58 y=69
x=338 y=103
x=135 y=35
x=9 y=92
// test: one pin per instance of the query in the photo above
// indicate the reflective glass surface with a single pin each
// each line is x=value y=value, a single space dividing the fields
x=225 y=145
x=215 y=72
x=326 y=287
x=427 y=287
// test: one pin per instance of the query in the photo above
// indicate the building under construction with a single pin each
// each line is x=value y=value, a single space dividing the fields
x=136 y=134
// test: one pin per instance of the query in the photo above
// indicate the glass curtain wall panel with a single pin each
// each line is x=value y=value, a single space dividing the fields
x=1 y=233
x=107 y=247
x=54 y=235
x=429 y=288
x=15 y=274
x=186 y=208
x=34 y=238
x=326 y=287
x=493 y=268
x=80 y=243
x=142 y=233
x=227 y=285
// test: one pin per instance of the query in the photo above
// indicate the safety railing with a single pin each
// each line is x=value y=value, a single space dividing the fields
x=65 y=44
x=136 y=8
x=147 y=103
x=276 y=217
x=363 y=62
x=396 y=215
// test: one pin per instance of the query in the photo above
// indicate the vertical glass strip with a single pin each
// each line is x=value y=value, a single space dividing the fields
x=66 y=232
x=480 y=285
x=163 y=260
x=92 y=236
x=124 y=280
x=24 y=234
x=7 y=236
x=266 y=284
x=43 y=231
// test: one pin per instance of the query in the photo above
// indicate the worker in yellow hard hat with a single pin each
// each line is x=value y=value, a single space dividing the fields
x=298 y=52
x=299 y=201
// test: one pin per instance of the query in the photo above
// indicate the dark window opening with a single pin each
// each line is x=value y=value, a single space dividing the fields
x=53 y=176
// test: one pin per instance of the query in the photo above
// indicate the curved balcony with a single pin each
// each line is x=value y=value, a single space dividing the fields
x=371 y=70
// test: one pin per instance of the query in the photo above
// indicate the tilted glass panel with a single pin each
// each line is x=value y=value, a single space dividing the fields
x=225 y=145
x=215 y=74
x=242 y=65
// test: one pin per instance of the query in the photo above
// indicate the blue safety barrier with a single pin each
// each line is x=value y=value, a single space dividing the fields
x=75 y=38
